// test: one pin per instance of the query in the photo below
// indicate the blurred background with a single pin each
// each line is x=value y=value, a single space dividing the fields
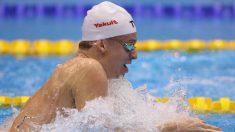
x=166 y=19
x=183 y=45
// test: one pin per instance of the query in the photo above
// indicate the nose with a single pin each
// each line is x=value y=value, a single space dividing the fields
x=133 y=55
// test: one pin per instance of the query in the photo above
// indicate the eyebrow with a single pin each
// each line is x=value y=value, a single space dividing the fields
x=132 y=40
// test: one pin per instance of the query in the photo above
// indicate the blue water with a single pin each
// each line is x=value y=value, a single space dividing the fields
x=210 y=74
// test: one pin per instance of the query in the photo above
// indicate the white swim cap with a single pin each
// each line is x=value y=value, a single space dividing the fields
x=106 y=20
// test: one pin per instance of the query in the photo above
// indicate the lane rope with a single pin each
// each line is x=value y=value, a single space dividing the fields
x=43 y=47
x=198 y=104
x=215 y=10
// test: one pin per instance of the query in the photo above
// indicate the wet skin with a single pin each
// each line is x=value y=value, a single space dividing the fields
x=78 y=80
x=84 y=78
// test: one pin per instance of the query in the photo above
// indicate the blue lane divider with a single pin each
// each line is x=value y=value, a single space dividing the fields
x=12 y=10
x=198 y=10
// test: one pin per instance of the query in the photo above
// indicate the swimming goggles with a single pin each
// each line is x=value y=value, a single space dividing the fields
x=129 y=47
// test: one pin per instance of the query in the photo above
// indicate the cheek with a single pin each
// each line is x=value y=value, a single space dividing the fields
x=118 y=56
x=116 y=61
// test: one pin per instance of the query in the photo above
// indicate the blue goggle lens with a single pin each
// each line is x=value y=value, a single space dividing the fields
x=129 y=47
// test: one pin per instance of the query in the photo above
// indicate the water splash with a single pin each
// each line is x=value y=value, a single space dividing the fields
x=8 y=122
x=123 y=109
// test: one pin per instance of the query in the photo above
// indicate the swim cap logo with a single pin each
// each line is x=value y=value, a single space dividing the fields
x=112 y=22
x=132 y=23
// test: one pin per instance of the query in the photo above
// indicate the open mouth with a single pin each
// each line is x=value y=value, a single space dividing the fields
x=125 y=68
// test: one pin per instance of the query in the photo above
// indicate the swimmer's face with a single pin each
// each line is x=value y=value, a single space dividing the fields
x=121 y=52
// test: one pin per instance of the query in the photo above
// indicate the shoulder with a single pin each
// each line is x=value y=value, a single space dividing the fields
x=91 y=78
x=80 y=65
x=84 y=68
x=89 y=65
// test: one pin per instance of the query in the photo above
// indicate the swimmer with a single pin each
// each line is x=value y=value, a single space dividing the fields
x=107 y=46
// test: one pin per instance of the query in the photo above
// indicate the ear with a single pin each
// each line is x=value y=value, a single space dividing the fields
x=101 y=46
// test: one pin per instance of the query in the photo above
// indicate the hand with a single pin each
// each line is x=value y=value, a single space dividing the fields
x=188 y=125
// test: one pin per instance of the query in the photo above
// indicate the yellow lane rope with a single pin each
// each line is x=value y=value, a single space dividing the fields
x=197 y=104
x=43 y=47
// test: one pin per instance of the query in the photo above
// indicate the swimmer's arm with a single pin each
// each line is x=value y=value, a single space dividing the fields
x=188 y=124
x=94 y=84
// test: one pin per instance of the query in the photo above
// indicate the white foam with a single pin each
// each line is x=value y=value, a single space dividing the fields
x=124 y=109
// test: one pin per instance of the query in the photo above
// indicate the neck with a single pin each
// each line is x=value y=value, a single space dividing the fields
x=94 y=54
x=83 y=54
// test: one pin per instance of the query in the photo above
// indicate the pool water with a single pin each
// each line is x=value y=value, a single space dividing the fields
x=208 y=73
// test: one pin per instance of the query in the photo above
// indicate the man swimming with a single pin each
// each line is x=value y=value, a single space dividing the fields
x=107 y=46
